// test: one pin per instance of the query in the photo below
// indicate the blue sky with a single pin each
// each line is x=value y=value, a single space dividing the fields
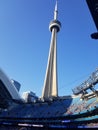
x=25 y=42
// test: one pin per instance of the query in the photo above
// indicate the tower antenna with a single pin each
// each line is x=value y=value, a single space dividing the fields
x=56 y=10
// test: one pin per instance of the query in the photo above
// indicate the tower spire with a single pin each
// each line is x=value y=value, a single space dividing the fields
x=56 y=10
x=50 y=88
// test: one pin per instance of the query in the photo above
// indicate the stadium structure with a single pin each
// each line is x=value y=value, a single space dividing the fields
x=28 y=111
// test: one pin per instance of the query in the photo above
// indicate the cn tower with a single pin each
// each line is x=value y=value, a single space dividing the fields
x=50 y=88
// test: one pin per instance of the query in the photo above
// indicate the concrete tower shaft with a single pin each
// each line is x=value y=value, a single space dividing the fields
x=50 y=88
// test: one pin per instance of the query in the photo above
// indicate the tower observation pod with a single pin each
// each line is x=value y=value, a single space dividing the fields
x=50 y=88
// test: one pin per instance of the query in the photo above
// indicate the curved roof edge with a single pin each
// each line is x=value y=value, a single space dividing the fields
x=9 y=86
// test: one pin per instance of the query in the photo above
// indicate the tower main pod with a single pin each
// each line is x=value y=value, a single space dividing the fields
x=50 y=88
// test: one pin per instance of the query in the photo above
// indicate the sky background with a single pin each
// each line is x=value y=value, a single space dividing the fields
x=25 y=42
